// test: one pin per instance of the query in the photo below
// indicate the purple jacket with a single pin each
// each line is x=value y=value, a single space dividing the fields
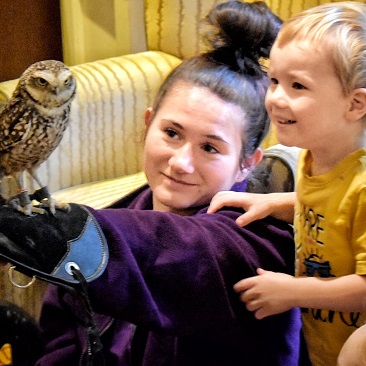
x=173 y=277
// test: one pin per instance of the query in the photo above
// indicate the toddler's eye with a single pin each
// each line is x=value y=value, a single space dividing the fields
x=298 y=86
x=274 y=81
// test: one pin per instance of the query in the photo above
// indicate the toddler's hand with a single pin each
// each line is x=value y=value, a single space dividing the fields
x=267 y=294
x=256 y=205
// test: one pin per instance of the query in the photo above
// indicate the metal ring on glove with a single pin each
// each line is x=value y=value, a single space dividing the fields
x=12 y=280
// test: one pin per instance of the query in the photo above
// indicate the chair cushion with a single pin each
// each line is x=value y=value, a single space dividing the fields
x=102 y=193
x=276 y=173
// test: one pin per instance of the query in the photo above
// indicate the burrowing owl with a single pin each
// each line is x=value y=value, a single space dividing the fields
x=32 y=124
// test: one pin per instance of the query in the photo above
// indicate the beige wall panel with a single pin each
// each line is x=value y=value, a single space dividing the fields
x=98 y=29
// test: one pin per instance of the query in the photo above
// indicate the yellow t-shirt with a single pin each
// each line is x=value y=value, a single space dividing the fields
x=330 y=236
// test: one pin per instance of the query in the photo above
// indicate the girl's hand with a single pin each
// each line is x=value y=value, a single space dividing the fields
x=267 y=294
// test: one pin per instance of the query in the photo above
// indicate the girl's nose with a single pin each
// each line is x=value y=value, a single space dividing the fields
x=182 y=159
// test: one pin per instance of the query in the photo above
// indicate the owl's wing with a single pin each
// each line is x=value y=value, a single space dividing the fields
x=15 y=122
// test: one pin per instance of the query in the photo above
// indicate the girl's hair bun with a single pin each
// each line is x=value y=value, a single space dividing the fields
x=239 y=34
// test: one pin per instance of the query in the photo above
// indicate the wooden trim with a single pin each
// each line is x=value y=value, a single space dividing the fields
x=85 y=37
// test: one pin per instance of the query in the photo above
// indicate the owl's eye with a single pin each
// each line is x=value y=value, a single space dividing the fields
x=42 y=82
x=67 y=81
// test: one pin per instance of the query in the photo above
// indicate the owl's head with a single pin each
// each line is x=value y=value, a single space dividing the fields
x=49 y=83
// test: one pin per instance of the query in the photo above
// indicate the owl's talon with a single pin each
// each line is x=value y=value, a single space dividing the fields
x=43 y=196
x=27 y=210
x=52 y=204
x=30 y=209
x=38 y=210
x=63 y=206
x=22 y=203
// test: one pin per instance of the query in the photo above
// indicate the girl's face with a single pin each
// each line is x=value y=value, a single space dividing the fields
x=305 y=99
x=192 y=148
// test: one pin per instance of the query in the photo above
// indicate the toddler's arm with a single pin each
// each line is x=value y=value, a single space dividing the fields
x=257 y=206
x=271 y=293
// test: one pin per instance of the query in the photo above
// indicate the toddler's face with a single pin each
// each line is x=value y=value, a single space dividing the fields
x=305 y=99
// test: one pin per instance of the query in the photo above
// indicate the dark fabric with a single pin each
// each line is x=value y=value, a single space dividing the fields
x=40 y=241
x=173 y=277
x=63 y=322
x=43 y=244
x=22 y=332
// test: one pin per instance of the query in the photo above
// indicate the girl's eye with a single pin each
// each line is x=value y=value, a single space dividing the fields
x=210 y=149
x=298 y=86
x=171 y=133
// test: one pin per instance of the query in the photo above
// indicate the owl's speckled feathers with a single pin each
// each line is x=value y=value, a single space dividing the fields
x=33 y=121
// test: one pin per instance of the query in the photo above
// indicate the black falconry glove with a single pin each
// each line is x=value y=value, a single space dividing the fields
x=67 y=249
x=50 y=246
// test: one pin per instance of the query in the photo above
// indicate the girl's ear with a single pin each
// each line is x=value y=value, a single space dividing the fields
x=357 y=107
x=249 y=164
x=149 y=113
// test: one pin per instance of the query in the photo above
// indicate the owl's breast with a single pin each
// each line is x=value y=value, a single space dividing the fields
x=42 y=138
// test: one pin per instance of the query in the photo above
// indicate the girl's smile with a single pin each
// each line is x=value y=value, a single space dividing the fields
x=192 y=148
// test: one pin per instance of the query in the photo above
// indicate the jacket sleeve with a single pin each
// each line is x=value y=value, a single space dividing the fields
x=65 y=335
x=176 y=273
x=59 y=332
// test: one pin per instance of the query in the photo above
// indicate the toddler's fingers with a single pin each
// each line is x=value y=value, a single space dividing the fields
x=245 y=284
x=252 y=305
x=261 y=313
x=221 y=199
x=262 y=271
x=248 y=217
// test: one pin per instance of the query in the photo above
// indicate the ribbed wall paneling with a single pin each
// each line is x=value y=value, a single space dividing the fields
x=173 y=26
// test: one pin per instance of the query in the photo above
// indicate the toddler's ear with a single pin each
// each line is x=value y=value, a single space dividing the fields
x=357 y=107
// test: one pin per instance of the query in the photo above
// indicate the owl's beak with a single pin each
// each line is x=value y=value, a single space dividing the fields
x=56 y=90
